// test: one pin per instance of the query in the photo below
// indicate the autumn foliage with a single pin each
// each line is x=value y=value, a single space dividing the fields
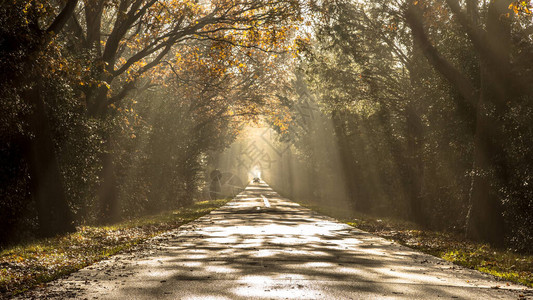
x=111 y=108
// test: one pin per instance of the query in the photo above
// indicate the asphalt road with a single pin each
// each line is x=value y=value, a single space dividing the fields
x=261 y=246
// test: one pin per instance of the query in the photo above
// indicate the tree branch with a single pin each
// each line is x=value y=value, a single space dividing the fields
x=443 y=66
x=61 y=19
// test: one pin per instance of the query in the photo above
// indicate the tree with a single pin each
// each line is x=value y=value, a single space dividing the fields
x=127 y=39
x=198 y=107
x=26 y=36
x=499 y=85
x=374 y=46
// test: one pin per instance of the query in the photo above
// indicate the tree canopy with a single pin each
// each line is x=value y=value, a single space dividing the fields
x=418 y=109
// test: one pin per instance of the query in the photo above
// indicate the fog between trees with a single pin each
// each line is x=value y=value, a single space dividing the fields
x=420 y=110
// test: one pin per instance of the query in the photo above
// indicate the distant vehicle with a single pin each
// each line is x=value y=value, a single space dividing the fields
x=256 y=180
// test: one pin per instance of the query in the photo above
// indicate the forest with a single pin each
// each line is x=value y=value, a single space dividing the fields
x=112 y=109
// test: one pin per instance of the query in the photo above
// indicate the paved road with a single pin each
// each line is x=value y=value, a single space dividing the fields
x=261 y=246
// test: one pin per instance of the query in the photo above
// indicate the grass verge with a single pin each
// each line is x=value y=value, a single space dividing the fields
x=452 y=247
x=25 y=266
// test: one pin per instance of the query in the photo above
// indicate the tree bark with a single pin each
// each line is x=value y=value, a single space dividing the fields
x=415 y=166
x=108 y=190
x=46 y=181
x=485 y=218
x=350 y=170
x=463 y=84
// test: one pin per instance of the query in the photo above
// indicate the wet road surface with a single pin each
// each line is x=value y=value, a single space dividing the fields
x=262 y=246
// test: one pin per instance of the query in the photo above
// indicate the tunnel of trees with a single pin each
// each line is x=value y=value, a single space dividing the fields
x=118 y=108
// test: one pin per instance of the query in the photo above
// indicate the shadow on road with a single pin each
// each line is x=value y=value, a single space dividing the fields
x=248 y=250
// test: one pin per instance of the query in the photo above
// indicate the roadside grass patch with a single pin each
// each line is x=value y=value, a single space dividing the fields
x=25 y=266
x=452 y=247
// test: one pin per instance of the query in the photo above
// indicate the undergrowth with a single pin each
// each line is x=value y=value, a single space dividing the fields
x=453 y=247
x=25 y=266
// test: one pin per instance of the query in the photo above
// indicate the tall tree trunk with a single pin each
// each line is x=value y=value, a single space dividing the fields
x=485 y=218
x=407 y=159
x=108 y=190
x=97 y=107
x=472 y=12
x=354 y=183
x=290 y=174
x=415 y=166
x=415 y=138
x=46 y=181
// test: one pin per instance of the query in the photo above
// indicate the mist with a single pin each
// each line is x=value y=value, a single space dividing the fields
x=419 y=111
x=268 y=149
